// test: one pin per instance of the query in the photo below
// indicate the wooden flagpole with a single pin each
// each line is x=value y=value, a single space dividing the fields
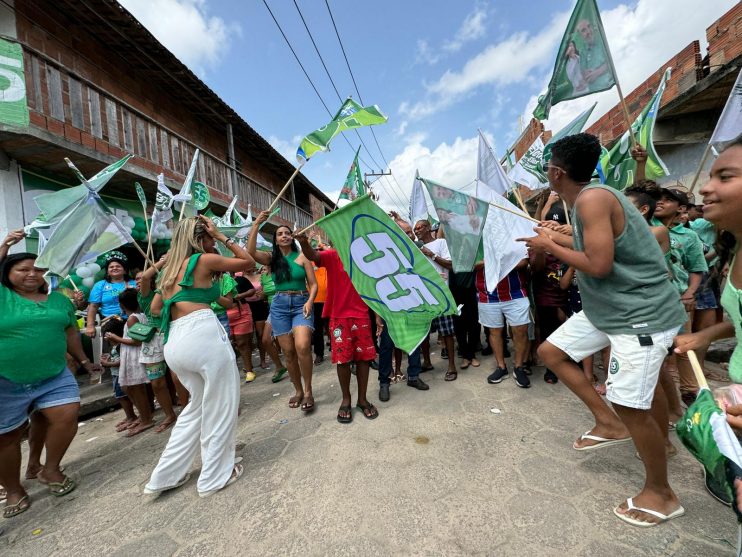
x=566 y=212
x=519 y=199
x=285 y=187
x=74 y=286
x=700 y=167
x=618 y=88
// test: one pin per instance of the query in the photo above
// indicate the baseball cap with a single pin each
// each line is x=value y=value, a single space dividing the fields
x=678 y=193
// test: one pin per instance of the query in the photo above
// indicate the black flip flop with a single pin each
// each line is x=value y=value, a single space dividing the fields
x=345 y=419
x=307 y=407
x=369 y=407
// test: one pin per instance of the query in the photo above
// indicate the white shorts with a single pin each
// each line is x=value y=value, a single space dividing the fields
x=633 y=369
x=515 y=311
x=153 y=351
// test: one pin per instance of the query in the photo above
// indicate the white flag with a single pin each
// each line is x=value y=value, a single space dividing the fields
x=418 y=205
x=490 y=173
x=729 y=125
x=529 y=170
x=501 y=252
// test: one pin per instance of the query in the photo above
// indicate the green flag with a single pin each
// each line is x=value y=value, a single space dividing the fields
x=54 y=205
x=142 y=198
x=463 y=217
x=583 y=64
x=389 y=272
x=617 y=166
x=574 y=127
x=13 y=106
x=353 y=186
x=351 y=115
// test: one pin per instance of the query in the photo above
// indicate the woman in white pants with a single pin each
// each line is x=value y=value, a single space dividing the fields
x=197 y=349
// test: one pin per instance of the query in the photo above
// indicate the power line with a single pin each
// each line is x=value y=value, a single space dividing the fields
x=360 y=98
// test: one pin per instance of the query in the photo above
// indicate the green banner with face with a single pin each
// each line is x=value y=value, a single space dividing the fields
x=13 y=106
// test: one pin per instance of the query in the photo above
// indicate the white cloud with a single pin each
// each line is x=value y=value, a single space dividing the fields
x=505 y=63
x=471 y=29
x=186 y=29
x=452 y=164
x=425 y=53
x=286 y=147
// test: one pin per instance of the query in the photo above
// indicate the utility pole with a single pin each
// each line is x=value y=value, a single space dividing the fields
x=366 y=175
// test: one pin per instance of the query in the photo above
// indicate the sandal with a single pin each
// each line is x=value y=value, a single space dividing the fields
x=295 y=401
x=369 y=410
x=280 y=373
x=237 y=472
x=464 y=364
x=182 y=481
x=475 y=363
x=60 y=489
x=428 y=367
x=9 y=511
x=36 y=476
x=345 y=419
x=451 y=376
x=308 y=406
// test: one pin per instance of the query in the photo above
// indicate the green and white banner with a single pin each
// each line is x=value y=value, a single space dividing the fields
x=583 y=64
x=617 y=165
x=529 y=171
x=463 y=218
x=353 y=186
x=13 y=106
x=389 y=272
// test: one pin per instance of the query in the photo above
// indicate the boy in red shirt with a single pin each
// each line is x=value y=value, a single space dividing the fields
x=350 y=329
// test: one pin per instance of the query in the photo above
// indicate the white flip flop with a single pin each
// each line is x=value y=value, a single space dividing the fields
x=237 y=472
x=680 y=511
x=152 y=491
x=600 y=442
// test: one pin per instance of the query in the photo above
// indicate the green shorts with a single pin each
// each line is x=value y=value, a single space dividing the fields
x=155 y=371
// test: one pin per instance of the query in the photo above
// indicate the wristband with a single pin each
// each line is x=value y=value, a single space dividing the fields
x=83 y=362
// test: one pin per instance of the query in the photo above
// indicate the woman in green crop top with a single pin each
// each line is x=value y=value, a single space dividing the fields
x=197 y=349
x=291 y=307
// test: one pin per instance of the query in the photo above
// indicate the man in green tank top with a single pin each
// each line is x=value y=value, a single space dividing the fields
x=629 y=305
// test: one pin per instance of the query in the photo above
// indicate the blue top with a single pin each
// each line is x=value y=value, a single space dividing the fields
x=106 y=295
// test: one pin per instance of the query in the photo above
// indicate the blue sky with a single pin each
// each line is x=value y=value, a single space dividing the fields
x=439 y=69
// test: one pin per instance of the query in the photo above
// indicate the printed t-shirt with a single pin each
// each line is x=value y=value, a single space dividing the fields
x=106 y=295
x=439 y=247
x=707 y=233
x=34 y=341
x=342 y=299
x=546 y=289
x=686 y=254
x=321 y=274
x=512 y=287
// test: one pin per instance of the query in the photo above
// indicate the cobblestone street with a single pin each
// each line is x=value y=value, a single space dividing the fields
x=438 y=473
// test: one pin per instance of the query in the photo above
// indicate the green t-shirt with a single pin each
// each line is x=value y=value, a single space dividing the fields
x=707 y=233
x=269 y=287
x=686 y=253
x=227 y=285
x=145 y=304
x=34 y=341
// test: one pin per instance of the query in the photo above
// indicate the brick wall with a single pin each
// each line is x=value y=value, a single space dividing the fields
x=725 y=37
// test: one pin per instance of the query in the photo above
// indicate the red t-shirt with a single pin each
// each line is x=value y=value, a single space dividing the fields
x=342 y=299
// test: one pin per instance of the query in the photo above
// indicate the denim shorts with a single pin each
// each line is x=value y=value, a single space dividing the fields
x=287 y=313
x=705 y=297
x=18 y=400
x=118 y=392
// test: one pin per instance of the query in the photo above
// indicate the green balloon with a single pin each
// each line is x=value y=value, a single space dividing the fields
x=201 y=195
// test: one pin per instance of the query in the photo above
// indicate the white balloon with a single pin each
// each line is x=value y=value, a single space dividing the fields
x=83 y=271
x=94 y=267
x=128 y=222
x=89 y=281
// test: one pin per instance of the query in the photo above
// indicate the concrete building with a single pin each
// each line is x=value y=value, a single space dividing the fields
x=97 y=85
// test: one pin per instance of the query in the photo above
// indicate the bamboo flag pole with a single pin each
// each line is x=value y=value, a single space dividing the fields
x=697 y=370
x=700 y=167
x=620 y=92
x=519 y=199
x=72 y=282
x=566 y=212
x=521 y=215
x=285 y=187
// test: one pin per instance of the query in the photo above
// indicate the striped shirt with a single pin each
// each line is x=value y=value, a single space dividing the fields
x=512 y=287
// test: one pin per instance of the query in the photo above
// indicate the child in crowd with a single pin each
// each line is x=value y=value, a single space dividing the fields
x=132 y=374
x=112 y=361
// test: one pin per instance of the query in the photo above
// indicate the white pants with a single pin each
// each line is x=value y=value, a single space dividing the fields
x=199 y=353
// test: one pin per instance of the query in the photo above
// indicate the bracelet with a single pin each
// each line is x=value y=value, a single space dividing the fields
x=83 y=362
x=228 y=241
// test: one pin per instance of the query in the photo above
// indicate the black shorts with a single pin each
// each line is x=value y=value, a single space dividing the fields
x=259 y=310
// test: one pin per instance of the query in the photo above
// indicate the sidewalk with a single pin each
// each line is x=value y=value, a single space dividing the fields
x=438 y=473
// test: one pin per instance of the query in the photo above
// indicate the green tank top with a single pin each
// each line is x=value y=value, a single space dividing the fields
x=636 y=297
x=188 y=294
x=731 y=301
x=298 y=276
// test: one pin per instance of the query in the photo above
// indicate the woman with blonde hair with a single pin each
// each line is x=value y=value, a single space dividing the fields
x=197 y=349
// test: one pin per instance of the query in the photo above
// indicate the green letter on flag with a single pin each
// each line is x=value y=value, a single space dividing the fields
x=583 y=65
x=389 y=272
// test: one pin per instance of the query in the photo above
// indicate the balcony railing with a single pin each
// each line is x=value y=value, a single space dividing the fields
x=85 y=113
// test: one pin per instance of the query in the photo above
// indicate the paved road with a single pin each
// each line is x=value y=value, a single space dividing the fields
x=437 y=473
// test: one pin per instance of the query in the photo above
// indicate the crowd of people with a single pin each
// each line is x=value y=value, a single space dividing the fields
x=611 y=277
